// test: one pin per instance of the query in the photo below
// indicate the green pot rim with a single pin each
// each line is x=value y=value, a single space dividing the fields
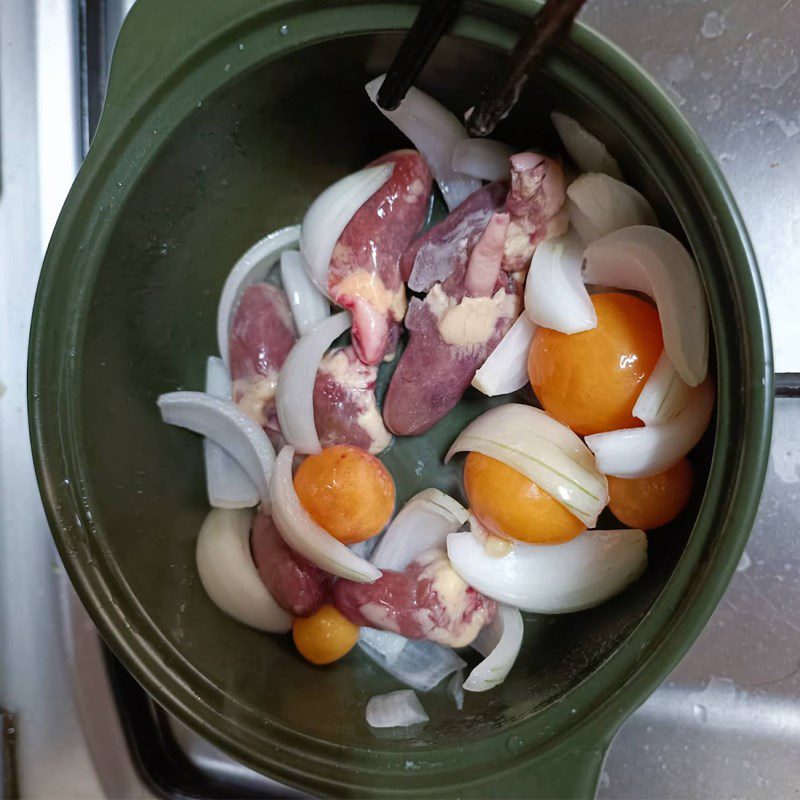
x=608 y=695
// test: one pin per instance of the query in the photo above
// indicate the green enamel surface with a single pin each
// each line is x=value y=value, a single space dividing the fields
x=218 y=128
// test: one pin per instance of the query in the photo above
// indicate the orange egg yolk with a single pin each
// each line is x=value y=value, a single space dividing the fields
x=648 y=503
x=508 y=504
x=590 y=381
x=325 y=636
x=347 y=491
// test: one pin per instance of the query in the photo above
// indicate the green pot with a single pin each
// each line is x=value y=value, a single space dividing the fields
x=223 y=120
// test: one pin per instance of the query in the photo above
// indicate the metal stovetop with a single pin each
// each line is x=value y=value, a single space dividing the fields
x=725 y=724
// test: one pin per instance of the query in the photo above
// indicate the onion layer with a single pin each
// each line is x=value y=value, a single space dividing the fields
x=252 y=267
x=499 y=643
x=506 y=369
x=641 y=452
x=229 y=575
x=586 y=150
x=307 y=303
x=295 y=397
x=484 y=159
x=435 y=132
x=422 y=524
x=552 y=579
x=599 y=204
x=329 y=214
x=547 y=452
x=227 y=483
x=222 y=422
x=555 y=296
x=304 y=536
x=650 y=260
x=419 y=664
x=395 y=710
x=664 y=395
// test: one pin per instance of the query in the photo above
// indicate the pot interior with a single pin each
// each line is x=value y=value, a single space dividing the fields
x=247 y=161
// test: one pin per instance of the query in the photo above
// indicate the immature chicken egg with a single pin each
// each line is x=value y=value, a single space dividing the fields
x=590 y=381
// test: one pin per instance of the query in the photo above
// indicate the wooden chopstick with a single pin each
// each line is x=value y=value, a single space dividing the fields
x=433 y=19
x=549 y=26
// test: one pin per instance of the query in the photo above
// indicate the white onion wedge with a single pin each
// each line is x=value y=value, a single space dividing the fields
x=499 y=643
x=641 y=452
x=599 y=204
x=227 y=483
x=395 y=710
x=547 y=452
x=329 y=214
x=303 y=535
x=307 y=303
x=252 y=267
x=229 y=575
x=664 y=395
x=650 y=260
x=222 y=422
x=555 y=296
x=435 y=132
x=552 y=579
x=485 y=159
x=419 y=664
x=295 y=396
x=422 y=524
x=586 y=150
x=506 y=369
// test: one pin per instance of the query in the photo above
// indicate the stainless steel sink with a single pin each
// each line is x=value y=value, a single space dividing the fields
x=727 y=722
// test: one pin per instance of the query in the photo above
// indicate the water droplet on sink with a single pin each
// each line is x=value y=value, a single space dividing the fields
x=713 y=25
x=284 y=30
x=700 y=713
x=241 y=45
x=514 y=744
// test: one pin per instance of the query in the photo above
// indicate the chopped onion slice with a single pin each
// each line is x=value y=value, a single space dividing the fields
x=419 y=664
x=222 y=422
x=422 y=524
x=295 y=397
x=252 y=267
x=650 y=260
x=329 y=214
x=586 y=150
x=229 y=575
x=641 y=452
x=435 y=132
x=552 y=579
x=455 y=688
x=506 y=369
x=395 y=710
x=545 y=451
x=307 y=303
x=664 y=395
x=555 y=296
x=499 y=643
x=227 y=483
x=484 y=159
x=365 y=548
x=302 y=534
x=599 y=204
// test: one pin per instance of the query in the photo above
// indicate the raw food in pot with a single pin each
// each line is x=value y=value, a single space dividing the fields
x=364 y=273
x=427 y=600
x=297 y=585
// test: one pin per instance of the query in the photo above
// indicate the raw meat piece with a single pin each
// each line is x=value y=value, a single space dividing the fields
x=433 y=257
x=426 y=601
x=262 y=334
x=297 y=585
x=345 y=408
x=536 y=207
x=364 y=274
